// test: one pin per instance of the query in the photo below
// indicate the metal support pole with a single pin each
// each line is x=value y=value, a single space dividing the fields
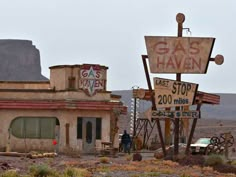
x=180 y=20
x=134 y=128
x=167 y=130
x=193 y=128
x=227 y=135
x=144 y=57
x=176 y=130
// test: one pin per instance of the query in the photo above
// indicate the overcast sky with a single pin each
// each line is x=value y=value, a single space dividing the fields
x=111 y=33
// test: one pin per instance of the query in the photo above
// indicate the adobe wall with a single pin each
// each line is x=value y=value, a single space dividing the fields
x=64 y=117
x=46 y=95
x=24 y=85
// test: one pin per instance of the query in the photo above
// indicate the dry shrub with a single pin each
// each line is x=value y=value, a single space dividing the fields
x=167 y=171
x=213 y=160
x=137 y=157
x=158 y=155
x=41 y=170
x=192 y=160
x=78 y=172
x=207 y=169
x=196 y=167
x=225 y=168
x=185 y=175
x=128 y=157
x=155 y=161
x=170 y=163
x=233 y=162
x=105 y=169
x=104 y=160
x=195 y=174
x=71 y=163
x=10 y=173
x=130 y=168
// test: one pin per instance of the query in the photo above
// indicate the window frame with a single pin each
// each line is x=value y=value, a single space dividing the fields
x=38 y=132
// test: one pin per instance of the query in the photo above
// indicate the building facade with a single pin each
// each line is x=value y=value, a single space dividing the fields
x=71 y=111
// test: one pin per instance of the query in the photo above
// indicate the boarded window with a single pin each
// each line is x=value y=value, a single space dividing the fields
x=47 y=126
x=17 y=127
x=79 y=128
x=71 y=82
x=98 y=128
x=34 y=127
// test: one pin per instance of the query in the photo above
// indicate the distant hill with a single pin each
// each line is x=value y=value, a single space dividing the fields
x=20 y=61
x=226 y=110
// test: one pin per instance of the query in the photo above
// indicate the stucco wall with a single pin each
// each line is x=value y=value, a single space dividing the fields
x=44 y=95
x=64 y=117
x=24 y=85
x=59 y=78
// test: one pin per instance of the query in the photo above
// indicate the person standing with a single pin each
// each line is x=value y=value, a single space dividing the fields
x=126 y=142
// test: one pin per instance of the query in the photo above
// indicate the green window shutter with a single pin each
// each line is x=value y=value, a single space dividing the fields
x=79 y=128
x=32 y=127
x=17 y=127
x=47 y=128
x=98 y=128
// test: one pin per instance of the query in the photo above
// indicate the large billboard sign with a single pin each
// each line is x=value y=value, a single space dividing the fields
x=178 y=54
x=171 y=93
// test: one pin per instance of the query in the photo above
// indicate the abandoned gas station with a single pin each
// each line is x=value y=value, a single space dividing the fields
x=72 y=111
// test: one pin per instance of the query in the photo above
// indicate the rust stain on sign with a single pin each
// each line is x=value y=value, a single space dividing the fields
x=178 y=55
x=170 y=93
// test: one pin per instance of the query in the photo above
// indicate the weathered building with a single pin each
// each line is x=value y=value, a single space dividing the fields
x=73 y=108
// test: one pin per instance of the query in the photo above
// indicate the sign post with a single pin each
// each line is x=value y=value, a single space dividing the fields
x=180 y=19
x=188 y=55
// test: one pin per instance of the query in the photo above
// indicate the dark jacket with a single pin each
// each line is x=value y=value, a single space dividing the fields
x=125 y=139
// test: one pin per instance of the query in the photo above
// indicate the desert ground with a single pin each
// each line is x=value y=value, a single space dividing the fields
x=90 y=165
x=123 y=164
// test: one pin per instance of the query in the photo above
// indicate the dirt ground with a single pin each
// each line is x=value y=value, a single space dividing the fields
x=90 y=162
x=123 y=165
x=120 y=166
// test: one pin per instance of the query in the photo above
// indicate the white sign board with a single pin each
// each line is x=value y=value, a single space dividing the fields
x=171 y=93
x=176 y=114
x=178 y=54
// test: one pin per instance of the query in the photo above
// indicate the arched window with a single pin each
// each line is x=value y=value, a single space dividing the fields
x=34 y=127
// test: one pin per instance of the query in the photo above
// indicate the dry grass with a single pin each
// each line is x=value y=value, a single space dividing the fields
x=157 y=167
x=128 y=157
x=71 y=163
x=104 y=159
x=148 y=167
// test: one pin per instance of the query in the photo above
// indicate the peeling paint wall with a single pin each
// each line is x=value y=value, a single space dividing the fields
x=64 y=117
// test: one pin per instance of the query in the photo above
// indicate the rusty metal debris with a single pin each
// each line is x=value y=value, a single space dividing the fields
x=218 y=145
